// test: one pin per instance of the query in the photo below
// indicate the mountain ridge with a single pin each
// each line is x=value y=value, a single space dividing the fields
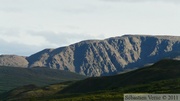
x=109 y=56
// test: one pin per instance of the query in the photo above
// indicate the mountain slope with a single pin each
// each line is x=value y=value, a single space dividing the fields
x=12 y=77
x=162 y=70
x=109 y=56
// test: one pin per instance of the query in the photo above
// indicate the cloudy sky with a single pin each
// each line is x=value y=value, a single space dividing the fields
x=28 y=26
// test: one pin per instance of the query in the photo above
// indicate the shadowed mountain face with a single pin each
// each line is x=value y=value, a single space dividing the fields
x=109 y=56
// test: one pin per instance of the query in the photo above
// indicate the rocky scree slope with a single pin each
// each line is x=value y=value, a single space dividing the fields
x=109 y=56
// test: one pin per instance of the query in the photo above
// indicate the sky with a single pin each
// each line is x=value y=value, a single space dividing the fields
x=29 y=26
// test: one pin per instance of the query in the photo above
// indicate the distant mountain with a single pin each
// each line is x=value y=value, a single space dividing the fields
x=12 y=77
x=13 y=60
x=107 y=57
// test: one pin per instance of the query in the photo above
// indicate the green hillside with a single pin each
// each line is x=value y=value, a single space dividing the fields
x=162 y=77
x=12 y=77
x=162 y=70
x=32 y=91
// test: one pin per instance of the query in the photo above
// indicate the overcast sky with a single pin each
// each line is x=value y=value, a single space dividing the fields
x=28 y=26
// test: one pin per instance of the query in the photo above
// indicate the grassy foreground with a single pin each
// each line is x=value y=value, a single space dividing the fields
x=51 y=93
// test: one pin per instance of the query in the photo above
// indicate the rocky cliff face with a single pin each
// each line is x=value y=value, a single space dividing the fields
x=109 y=56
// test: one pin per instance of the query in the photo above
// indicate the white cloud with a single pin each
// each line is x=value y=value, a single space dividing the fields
x=23 y=38
x=22 y=42
x=174 y=1
x=18 y=49
x=39 y=24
